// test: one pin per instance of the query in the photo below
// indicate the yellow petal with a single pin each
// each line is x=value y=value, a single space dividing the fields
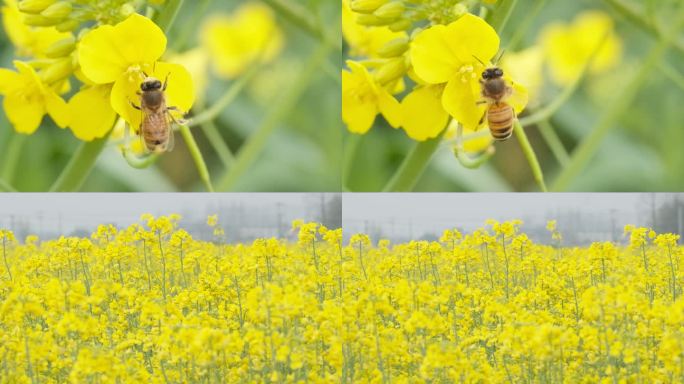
x=123 y=94
x=424 y=116
x=106 y=52
x=431 y=56
x=8 y=80
x=24 y=114
x=438 y=52
x=58 y=110
x=180 y=90
x=460 y=100
x=100 y=116
x=471 y=37
x=357 y=113
x=390 y=108
x=518 y=99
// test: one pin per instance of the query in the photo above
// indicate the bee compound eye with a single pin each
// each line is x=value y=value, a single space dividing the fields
x=499 y=72
x=485 y=75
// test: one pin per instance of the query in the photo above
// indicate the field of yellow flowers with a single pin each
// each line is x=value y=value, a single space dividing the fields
x=148 y=303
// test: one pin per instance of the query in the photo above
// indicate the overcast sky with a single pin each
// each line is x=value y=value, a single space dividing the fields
x=433 y=212
x=70 y=211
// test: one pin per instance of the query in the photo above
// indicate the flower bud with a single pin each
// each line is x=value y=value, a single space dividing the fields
x=39 y=21
x=390 y=11
x=67 y=25
x=401 y=25
x=391 y=70
x=34 y=6
x=61 y=48
x=460 y=10
x=58 y=11
x=61 y=69
x=366 y=6
x=126 y=10
x=370 y=20
x=394 y=48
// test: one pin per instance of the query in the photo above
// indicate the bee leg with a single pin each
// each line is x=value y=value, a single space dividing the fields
x=166 y=81
x=179 y=122
x=133 y=105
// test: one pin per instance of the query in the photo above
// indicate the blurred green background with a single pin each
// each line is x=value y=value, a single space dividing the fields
x=302 y=154
x=641 y=152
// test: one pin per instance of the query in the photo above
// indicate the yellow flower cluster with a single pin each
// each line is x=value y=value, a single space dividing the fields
x=149 y=303
x=56 y=40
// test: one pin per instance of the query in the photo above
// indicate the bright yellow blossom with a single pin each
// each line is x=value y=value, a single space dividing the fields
x=454 y=55
x=28 y=99
x=247 y=37
x=570 y=46
x=114 y=55
x=29 y=41
x=363 y=99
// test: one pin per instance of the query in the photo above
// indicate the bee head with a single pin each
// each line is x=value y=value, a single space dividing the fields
x=150 y=84
x=492 y=73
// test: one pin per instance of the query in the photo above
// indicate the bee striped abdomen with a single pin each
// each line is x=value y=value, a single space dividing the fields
x=500 y=118
x=155 y=130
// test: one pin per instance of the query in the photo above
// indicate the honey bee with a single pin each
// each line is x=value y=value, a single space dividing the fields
x=499 y=114
x=156 y=129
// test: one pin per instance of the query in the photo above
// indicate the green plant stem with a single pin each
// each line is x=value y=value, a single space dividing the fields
x=350 y=149
x=79 y=166
x=168 y=15
x=463 y=158
x=406 y=176
x=300 y=16
x=190 y=27
x=6 y=187
x=585 y=151
x=636 y=17
x=525 y=25
x=502 y=14
x=548 y=110
x=529 y=154
x=12 y=153
x=139 y=162
x=224 y=101
x=553 y=141
x=197 y=157
x=256 y=142
x=672 y=74
x=216 y=140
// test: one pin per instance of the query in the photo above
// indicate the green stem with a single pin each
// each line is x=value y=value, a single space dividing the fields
x=196 y=157
x=529 y=154
x=300 y=16
x=405 y=178
x=139 y=162
x=190 y=27
x=256 y=142
x=6 y=187
x=636 y=17
x=525 y=25
x=463 y=158
x=549 y=109
x=554 y=142
x=672 y=74
x=350 y=150
x=79 y=166
x=502 y=14
x=216 y=140
x=585 y=151
x=168 y=15
x=231 y=93
x=13 y=151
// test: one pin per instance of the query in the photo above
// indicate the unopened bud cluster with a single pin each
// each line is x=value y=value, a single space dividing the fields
x=390 y=62
x=59 y=60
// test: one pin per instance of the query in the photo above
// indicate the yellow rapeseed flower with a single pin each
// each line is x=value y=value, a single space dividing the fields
x=363 y=40
x=569 y=46
x=363 y=99
x=28 y=99
x=247 y=37
x=29 y=41
x=116 y=55
x=454 y=55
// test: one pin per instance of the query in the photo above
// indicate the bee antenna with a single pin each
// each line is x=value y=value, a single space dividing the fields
x=476 y=58
x=145 y=73
x=499 y=56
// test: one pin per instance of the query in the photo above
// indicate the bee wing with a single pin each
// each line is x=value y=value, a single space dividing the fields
x=518 y=97
x=172 y=121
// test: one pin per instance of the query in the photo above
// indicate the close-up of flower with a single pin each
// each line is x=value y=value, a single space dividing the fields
x=509 y=96
x=168 y=95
